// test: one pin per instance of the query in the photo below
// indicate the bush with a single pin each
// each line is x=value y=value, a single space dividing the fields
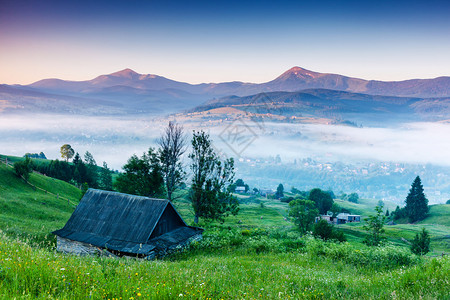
x=23 y=168
x=323 y=229
x=421 y=243
x=326 y=231
x=382 y=257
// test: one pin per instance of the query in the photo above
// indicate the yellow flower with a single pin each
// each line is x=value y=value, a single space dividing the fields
x=139 y=294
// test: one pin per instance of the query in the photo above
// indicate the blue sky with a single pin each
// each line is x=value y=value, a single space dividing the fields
x=213 y=41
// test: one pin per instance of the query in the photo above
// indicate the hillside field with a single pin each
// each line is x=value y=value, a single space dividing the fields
x=256 y=254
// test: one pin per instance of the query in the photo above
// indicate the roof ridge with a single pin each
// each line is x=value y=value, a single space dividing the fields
x=125 y=194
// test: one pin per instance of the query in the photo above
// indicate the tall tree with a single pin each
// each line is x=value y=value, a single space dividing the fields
x=304 y=213
x=416 y=202
x=172 y=146
x=374 y=225
x=67 y=152
x=280 y=191
x=209 y=193
x=105 y=180
x=91 y=170
x=80 y=171
x=322 y=199
x=142 y=176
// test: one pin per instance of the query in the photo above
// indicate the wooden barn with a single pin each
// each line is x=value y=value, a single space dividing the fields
x=110 y=222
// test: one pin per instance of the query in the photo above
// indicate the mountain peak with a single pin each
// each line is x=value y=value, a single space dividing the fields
x=298 y=73
x=125 y=73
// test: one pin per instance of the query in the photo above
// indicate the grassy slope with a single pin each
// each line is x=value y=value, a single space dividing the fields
x=223 y=274
x=35 y=213
x=38 y=273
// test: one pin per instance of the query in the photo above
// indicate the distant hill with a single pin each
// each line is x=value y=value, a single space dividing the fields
x=334 y=105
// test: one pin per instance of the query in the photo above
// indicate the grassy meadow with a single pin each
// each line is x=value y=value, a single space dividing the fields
x=257 y=254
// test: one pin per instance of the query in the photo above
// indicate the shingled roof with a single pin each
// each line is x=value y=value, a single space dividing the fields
x=126 y=223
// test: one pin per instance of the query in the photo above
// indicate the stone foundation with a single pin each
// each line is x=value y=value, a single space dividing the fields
x=68 y=246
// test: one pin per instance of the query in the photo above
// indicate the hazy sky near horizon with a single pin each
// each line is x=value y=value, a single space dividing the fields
x=214 y=41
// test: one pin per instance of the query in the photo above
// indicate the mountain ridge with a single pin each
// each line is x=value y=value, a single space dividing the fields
x=294 y=79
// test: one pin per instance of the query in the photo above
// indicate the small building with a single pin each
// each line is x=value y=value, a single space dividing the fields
x=240 y=189
x=341 y=218
x=121 y=224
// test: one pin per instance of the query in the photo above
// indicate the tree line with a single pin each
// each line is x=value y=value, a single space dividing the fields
x=160 y=173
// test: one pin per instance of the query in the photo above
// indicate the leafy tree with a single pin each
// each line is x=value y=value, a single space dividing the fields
x=255 y=190
x=448 y=202
x=35 y=155
x=353 y=197
x=326 y=231
x=172 y=147
x=142 y=176
x=331 y=193
x=416 y=202
x=280 y=192
x=335 y=209
x=322 y=200
x=67 y=152
x=105 y=181
x=387 y=212
x=374 y=226
x=323 y=229
x=23 y=168
x=239 y=182
x=421 y=243
x=304 y=213
x=209 y=192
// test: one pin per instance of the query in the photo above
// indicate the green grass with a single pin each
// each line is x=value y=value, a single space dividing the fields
x=29 y=212
x=39 y=273
x=438 y=214
x=256 y=254
x=364 y=207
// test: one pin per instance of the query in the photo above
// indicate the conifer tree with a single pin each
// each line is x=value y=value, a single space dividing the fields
x=416 y=202
x=421 y=243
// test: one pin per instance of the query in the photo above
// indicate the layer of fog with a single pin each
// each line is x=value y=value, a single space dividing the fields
x=114 y=140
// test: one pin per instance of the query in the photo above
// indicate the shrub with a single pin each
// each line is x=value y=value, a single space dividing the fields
x=23 y=168
x=421 y=243
x=327 y=231
x=323 y=229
